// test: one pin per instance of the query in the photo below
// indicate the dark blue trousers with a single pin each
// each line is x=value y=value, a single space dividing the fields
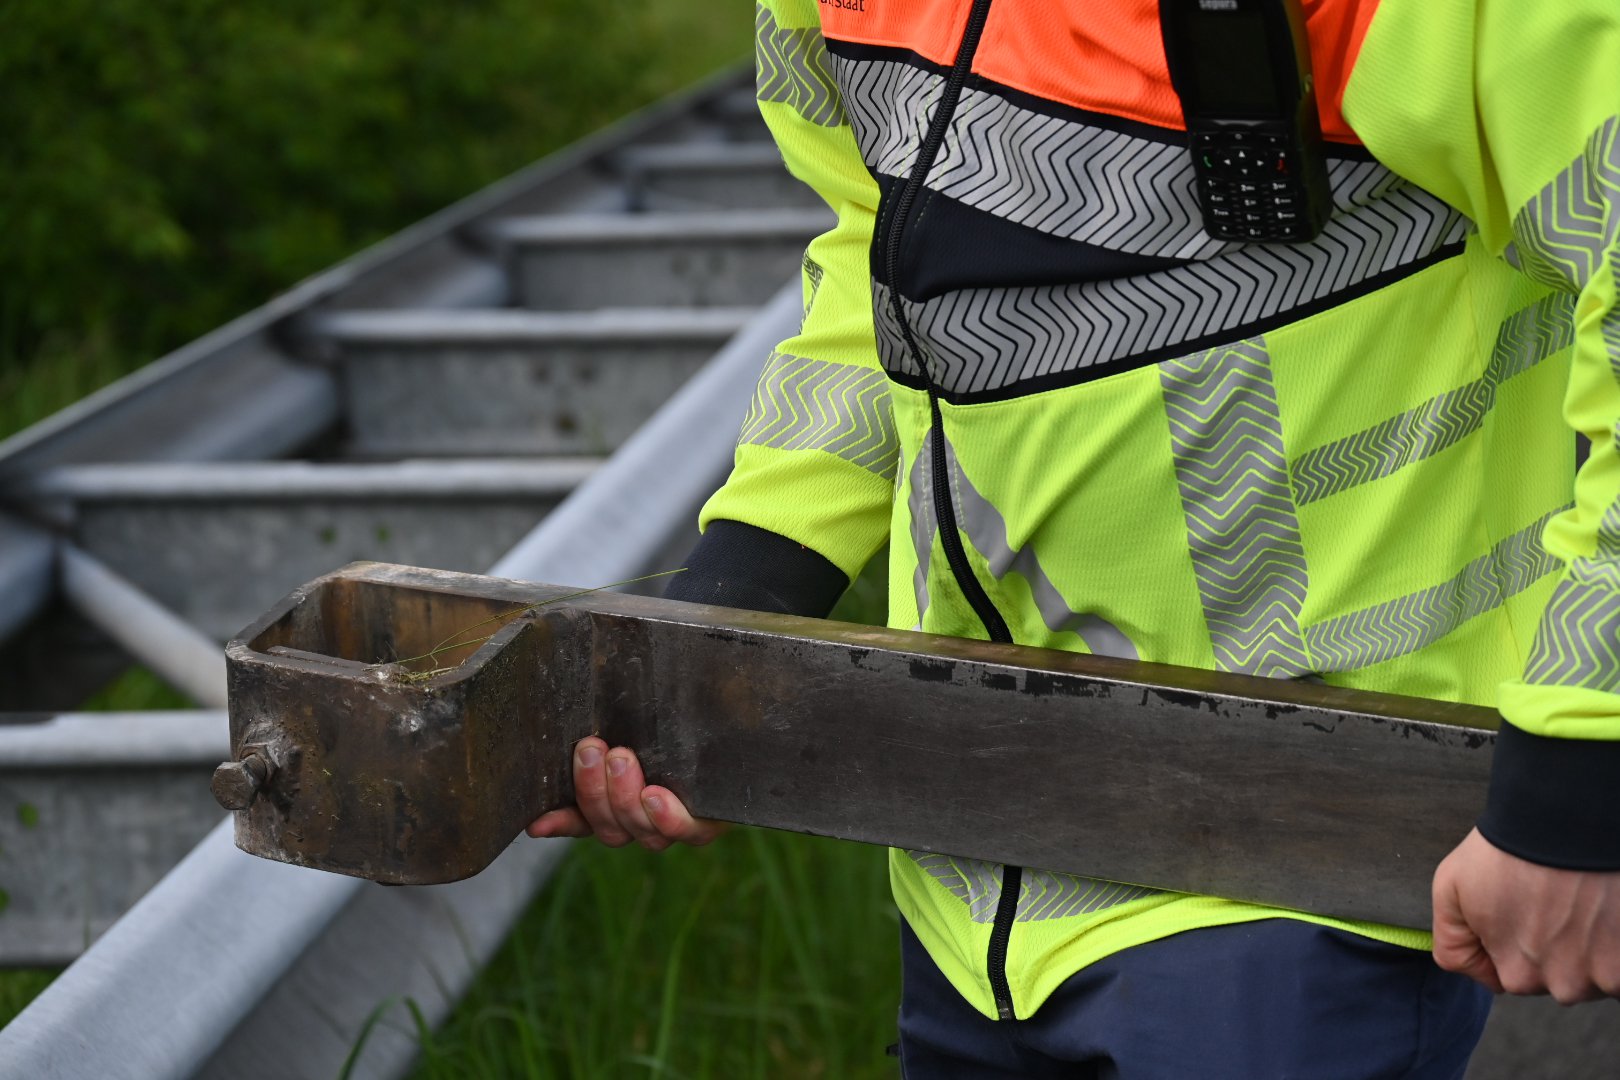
x=1257 y=1001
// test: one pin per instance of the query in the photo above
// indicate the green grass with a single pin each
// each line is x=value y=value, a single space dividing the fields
x=19 y=987
x=135 y=690
x=764 y=955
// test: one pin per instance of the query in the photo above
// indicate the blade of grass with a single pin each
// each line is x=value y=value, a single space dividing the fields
x=672 y=970
x=366 y=1028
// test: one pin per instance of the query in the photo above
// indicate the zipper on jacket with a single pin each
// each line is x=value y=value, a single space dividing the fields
x=994 y=625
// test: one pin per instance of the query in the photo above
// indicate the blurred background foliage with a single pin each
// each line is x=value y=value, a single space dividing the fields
x=168 y=166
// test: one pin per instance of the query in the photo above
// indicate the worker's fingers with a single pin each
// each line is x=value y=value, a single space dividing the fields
x=566 y=822
x=674 y=822
x=625 y=783
x=1465 y=954
x=591 y=792
x=1457 y=947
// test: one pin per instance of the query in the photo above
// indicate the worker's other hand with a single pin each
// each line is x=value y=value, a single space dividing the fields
x=616 y=805
x=1522 y=928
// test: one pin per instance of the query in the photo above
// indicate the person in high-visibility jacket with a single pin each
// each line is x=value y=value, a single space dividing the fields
x=1079 y=422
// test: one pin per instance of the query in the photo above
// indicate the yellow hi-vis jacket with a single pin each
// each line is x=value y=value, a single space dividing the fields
x=1079 y=422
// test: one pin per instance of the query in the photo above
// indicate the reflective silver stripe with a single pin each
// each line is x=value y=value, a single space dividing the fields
x=1102 y=187
x=920 y=506
x=1524 y=340
x=1610 y=329
x=1406 y=624
x=890 y=105
x=987 y=531
x=1068 y=178
x=844 y=409
x=812 y=275
x=1243 y=535
x=1042 y=894
x=1564 y=233
x=1124 y=193
x=791 y=67
x=982 y=340
x=1047 y=895
x=1072 y=180
x=1563 y=237
x=1604 y=565
x=893 y=354
x=972 y=881
x=1578 y=641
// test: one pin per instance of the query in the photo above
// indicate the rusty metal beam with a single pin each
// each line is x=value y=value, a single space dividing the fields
x=367 y=762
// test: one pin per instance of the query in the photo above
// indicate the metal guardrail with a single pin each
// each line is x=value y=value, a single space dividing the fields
x=199 y=978
x=26 y=556
x=214 y=541
x=121 y=502
x=115 y=801
x=168 y=645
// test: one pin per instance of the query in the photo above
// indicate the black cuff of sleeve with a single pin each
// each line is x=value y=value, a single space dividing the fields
x=1555 y=801
x=741 y=566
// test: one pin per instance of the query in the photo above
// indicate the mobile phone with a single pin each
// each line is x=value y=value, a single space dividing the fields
x=1242 y=69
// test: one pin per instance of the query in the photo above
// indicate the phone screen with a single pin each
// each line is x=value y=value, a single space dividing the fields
x=1231 y=66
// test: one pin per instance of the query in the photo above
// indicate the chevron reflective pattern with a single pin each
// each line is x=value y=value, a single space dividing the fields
x=1604 y=564
x=1243 y=534
x=1117 y=191
x=1072 y=180
x=1124 y=193
x=1524 y=340
x=1042 y=894
x=891 y=341
x=987 y=530
x=1578 y=641
x=791 y=67
x=802 y=404
x=1610 y=329
x=1406 y=624
x=889 y=108
x=1075 y=180
x=920 y=508
x=1046 y=895
x=1564 y=233
x=1563 y=237
x=977 y=884
x=988 y=341
x=812 y=274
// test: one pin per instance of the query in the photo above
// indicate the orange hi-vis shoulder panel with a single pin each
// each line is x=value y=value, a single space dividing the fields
x=930 y=28
x=1103 y=56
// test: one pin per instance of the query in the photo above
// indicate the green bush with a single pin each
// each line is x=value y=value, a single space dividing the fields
x=168 y=166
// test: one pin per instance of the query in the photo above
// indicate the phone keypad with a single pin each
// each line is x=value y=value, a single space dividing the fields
x=1247 y=186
